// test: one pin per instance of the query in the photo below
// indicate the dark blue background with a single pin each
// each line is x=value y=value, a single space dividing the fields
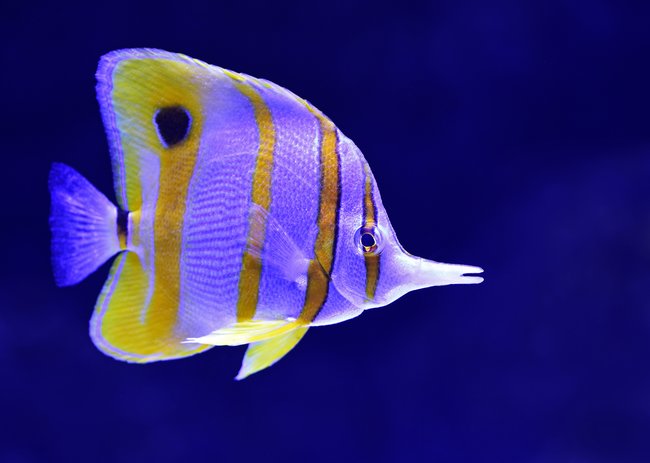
x=511 y=135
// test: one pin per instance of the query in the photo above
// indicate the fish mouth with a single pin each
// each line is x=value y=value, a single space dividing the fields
x=466 y=274
x=430 y=273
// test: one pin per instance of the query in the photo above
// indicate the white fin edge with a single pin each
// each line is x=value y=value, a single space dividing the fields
x=245 y=333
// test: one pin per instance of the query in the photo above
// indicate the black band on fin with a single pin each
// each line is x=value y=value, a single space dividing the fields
x=122 y=224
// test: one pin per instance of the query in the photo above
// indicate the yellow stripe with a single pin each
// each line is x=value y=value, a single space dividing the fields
x=369 y=210
x=251 y=271
x=142 y=87
x=319 y=270
x=176 y=168
x=369 y=221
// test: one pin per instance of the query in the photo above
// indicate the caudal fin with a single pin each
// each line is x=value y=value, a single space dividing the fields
x=83 y=223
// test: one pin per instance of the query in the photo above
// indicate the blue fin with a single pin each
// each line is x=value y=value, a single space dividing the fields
x=83 y=223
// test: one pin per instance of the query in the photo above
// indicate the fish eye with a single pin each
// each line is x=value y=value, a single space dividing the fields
x=172 y=124
x=369 y=240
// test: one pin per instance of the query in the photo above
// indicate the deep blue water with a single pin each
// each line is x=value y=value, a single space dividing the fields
x=511 y=135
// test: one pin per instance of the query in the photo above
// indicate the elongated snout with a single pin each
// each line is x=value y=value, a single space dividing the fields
x=428 y=273
x=417 y=273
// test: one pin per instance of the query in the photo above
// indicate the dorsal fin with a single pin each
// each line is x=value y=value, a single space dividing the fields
x=152 y=105
x=139 y=90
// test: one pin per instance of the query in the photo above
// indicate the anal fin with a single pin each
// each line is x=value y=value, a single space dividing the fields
x=127 y=327
x=263 y=354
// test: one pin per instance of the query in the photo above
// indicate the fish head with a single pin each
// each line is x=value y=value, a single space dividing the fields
x=372 y=268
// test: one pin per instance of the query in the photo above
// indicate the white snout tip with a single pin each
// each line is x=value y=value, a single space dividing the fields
x=463 y=274
x=438 y=274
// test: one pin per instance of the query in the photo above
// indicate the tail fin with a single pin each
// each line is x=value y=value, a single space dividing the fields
x=83 y=223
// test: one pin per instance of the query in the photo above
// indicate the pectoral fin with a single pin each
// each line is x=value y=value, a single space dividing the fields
x=263 y=354
x=277 y=249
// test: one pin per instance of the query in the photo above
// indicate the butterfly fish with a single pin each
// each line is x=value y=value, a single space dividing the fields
x=244 y=216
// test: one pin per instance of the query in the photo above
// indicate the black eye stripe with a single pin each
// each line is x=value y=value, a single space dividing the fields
x=172 y=124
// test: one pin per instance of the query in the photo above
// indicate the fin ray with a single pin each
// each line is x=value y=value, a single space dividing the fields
x=281 y=253
x=83 y=223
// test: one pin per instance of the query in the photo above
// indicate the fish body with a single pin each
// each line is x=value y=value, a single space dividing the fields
x=244 y=216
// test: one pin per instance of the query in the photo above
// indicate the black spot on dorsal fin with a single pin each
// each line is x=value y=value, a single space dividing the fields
x=172 y=124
